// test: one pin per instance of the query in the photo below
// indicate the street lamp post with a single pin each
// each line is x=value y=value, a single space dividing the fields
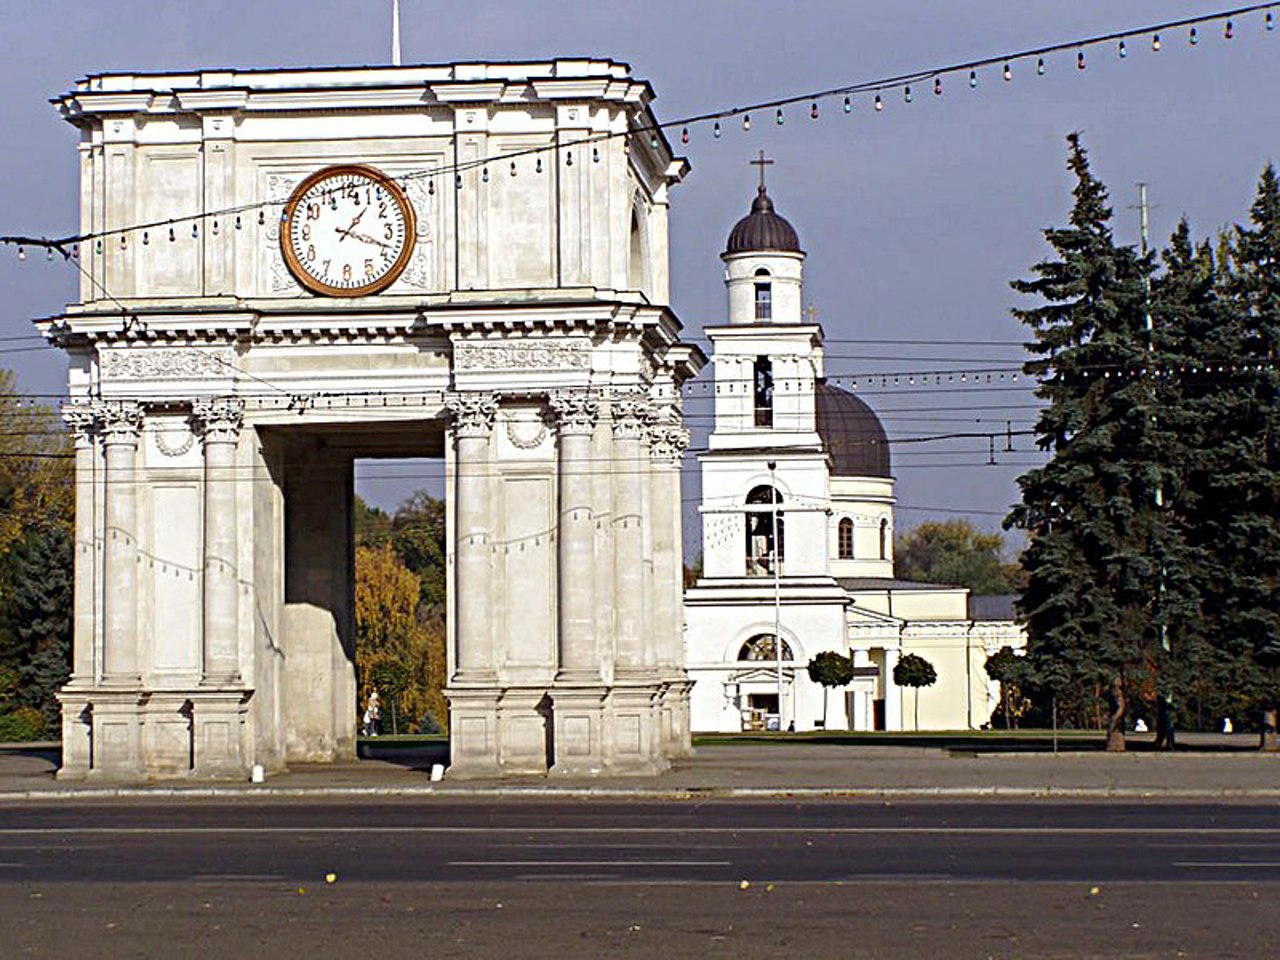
x=777 y=583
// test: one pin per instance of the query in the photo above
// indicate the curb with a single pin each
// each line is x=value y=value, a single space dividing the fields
x=632 y=793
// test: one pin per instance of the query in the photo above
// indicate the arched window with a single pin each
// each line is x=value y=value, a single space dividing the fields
x=764 y=300
x=884 y=539
x=760 y=539
x=635 y=262
x=845 y=538
x=764 y=392
x=761 y=647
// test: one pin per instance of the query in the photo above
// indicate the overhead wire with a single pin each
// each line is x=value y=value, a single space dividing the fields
x=901 y=81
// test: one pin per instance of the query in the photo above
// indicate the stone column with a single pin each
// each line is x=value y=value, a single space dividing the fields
x=473 y=416
x=121 y=425
x=77 y=713
x=667 y=443
x=576 y=419
x=220 y=421
x=634 y=650
x=83 y=422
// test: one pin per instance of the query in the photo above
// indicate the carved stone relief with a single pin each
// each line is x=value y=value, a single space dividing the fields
x=527 y=353
x=166 y=363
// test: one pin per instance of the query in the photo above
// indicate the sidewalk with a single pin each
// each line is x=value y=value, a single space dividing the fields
x=806 y=769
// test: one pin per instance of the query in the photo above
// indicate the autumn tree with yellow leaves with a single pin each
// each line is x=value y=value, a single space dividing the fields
x=398 y=634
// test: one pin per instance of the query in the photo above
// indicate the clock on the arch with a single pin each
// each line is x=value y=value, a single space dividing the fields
x=347 y=231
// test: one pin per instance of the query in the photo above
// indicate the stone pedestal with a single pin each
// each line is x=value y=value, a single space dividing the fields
x=634 y=742
x=676 y=705
x=218 y=734
x=77 y=734
x=578 y=713
x=116 y=731
x=525 y=731
x=473 y=732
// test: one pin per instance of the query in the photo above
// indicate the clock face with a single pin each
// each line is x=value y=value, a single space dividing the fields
x=347 y=231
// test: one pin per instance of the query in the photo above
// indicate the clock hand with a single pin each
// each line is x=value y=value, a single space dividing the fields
x=351 y=226
x=364 y=237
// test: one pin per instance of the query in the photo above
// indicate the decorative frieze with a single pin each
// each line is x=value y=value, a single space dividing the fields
x=166 y=363
x=473 y=413
x=541 y=354
x=219 y=418
x=576 y=411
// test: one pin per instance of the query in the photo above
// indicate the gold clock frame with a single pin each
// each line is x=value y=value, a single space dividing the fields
x=396 y=193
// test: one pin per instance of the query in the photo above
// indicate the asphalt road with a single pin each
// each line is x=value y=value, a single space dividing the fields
x=577 y=878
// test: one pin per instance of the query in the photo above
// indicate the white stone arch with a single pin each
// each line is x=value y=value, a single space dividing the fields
x=729 y=654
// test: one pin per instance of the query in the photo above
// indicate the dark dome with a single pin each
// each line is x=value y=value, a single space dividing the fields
x=852 y=433
x=762 y=229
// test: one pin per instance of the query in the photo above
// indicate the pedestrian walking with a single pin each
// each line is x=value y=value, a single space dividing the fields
x=372 y=711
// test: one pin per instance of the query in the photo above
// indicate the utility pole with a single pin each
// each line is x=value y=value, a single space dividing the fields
x=1164 y=723
x=777 y=581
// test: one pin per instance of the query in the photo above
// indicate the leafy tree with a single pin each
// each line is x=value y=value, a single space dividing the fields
x=1097 y=544
x=955 y=552
x=392 y=678
x=392 y=627
x=1005 y=667
x=830 y=669
x=35 y=466
x=418 y=535
x=372 y=525
x=913 y=670
x=36 y=505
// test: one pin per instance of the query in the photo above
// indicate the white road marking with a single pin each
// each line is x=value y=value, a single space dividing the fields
x=590 y=863
x=1226 y=864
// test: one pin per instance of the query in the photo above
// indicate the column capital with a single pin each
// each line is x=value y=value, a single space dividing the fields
x=473 y=413
x=120 y=420
x=667 y=442
x=630 y=414
x=82 y=419
x=576 y=411
x=219 y=418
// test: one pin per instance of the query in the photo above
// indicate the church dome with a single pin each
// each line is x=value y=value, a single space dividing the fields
x=762 y=229
x=852 y=434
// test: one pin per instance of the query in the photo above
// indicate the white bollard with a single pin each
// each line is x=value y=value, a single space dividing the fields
x=258 y=774
x=437 y=772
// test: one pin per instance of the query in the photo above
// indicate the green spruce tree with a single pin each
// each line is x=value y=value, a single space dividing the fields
x=1247 y=508
x=1093 y=560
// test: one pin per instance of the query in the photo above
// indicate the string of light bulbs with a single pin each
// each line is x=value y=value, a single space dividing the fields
x=904 y=84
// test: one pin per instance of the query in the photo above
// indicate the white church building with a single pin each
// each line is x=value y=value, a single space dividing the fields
x=797 y=534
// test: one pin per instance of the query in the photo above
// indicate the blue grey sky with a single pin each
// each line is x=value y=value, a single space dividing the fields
x=914 y=219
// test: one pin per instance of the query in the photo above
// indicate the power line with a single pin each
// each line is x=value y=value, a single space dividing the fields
x=899 y=82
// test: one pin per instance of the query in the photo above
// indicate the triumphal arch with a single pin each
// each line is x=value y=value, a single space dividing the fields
x=284 y=270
